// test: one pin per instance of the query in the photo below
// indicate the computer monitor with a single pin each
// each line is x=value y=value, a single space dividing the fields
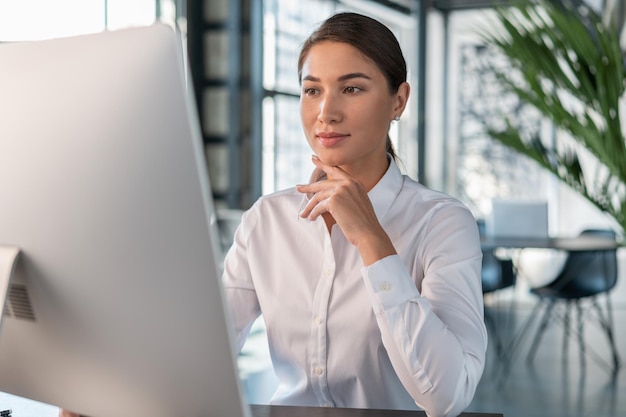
x=518 y=218
x=114 y=306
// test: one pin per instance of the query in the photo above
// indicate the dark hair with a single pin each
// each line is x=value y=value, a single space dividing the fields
x=373 y=39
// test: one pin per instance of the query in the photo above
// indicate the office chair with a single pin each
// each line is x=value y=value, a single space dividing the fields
x=585 y=276
x=496 y=274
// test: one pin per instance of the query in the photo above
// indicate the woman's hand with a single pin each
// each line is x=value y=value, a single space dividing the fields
x=345 y=199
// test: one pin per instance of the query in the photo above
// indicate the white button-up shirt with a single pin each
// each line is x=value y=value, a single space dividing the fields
x=407 y=330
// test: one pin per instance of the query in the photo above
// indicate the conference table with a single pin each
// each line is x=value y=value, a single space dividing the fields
x=289 y=411
x=570 y=244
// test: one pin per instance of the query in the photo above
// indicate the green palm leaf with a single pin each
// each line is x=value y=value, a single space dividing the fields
x=573 y=72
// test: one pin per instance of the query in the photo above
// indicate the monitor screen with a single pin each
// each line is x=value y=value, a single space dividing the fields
x=114 y=306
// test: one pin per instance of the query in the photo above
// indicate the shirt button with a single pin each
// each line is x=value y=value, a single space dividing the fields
x=319 y=371
x=328 y=272
x=385 y=286
x=327 y=405
x=318 y=320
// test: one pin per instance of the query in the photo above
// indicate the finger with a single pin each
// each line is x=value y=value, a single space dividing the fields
x=318 y=209
x=318 y=174
x=311 y=210
x=315 y=187
x=321 y=165
x=332 y=171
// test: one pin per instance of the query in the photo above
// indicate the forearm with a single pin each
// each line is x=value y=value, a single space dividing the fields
x=244 y=310
x=374 y=245
x=433 y=366
x=438 y=353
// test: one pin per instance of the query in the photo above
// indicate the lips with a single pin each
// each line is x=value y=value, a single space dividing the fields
x=329 y=139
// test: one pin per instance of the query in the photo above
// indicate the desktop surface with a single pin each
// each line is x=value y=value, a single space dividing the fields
x=290 y=411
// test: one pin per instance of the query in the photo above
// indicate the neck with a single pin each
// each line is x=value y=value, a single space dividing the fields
x=368 y=174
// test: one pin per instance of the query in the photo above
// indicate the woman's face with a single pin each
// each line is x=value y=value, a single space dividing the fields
x=346 y=106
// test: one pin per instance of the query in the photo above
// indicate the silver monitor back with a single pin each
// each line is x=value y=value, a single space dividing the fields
x=115 y=305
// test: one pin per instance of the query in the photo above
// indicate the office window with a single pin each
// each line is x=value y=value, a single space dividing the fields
x=286 y=154
x=125 y=13
x=479 y=168
x=45 y=19
x=487 y=169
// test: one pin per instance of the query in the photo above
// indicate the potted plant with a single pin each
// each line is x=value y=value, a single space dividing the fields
x=567 y=63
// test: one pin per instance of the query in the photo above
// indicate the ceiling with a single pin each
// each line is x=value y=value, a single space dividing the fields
x=409 y=6
x=452 y=5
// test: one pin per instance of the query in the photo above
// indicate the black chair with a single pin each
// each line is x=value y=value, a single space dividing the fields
x=497 y=274
x=586 y=275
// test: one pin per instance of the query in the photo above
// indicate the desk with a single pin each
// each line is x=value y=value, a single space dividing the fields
x=571 y=244
x=288 y=411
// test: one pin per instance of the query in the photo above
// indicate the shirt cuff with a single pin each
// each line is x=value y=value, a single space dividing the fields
x=389 y=283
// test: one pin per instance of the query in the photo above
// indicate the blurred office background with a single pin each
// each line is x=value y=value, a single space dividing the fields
x=242 y=57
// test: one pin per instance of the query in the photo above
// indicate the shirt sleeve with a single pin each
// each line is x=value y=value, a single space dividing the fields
x=435 y=338
x=241 y=297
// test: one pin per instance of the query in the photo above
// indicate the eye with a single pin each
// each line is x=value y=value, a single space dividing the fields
x=310 y=91
x=352 y=89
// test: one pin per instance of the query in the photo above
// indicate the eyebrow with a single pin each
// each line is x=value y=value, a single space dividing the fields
x=344 y=77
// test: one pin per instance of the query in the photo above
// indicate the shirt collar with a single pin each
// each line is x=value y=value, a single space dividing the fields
x=386 y=190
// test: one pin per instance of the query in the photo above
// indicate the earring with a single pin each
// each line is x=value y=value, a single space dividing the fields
x=396 y=118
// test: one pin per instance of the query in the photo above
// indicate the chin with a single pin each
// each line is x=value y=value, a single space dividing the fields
x=332 y=160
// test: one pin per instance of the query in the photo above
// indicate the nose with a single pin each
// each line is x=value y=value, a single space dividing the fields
x=329 y=109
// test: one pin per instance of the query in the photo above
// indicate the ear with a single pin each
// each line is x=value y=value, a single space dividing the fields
x=401 y=98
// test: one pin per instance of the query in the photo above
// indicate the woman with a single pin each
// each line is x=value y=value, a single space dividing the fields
x=368 y=282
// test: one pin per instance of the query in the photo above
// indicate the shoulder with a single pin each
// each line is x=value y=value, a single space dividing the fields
x=278 y=205
x=279 y=200
x=417 y=193
x=437 y=208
